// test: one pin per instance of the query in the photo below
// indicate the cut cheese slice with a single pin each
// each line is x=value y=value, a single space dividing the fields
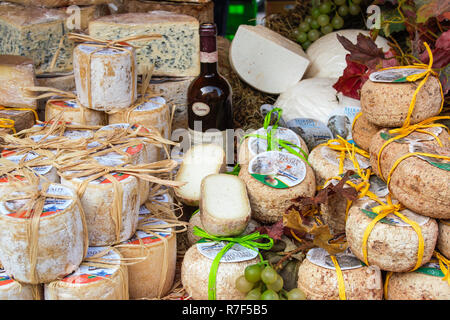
x=11 y=289
x=73 y=112
x=266 y=60
x=224 y=205
x=23 y=119
x=64 y=82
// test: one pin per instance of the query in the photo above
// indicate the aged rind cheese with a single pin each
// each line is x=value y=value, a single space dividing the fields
x=152 y=277
x=23 y=119
x=195 y=270
x=16 y=73
x=11 y=289
x=36 y=33
x=198 y=162
x=392 y=246
x=73 y=112
x=113 y=80
x=61 y=238
x=275 y=63
x=176 y=54
x=363 y=131
x=104 y=281
x=224 y=206
x=98 y=202
x=59 y=3
x=443 y=242
x=64 y=82
x=319 y=280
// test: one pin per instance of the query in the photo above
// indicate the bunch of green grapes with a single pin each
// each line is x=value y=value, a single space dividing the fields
x=262 y=282
x=324 y=17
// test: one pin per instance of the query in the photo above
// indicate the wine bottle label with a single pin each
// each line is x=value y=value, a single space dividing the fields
x=200 y=109
x=209 y=57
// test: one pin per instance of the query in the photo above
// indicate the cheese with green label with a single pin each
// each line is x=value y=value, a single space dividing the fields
x=11 y=289
x=175 y=54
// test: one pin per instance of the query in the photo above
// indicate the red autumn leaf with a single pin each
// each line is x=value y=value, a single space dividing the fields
x=432 y=8
x=275 y=231
x=365 y=51
x=352 y=79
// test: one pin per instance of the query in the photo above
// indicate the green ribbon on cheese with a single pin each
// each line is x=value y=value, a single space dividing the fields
x=249 y=241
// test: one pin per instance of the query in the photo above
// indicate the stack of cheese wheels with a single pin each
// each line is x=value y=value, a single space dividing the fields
x=101 y=276
x=432 y=198
x=11 y=289
x=425 y=283
x=392 y=245
x=273 y=179
x=156 y=245
x=73 y=112
x=252 y=146
x=443 y=243
x=363 y=131
x=318 y=277
x=47 y=245
x=105 y=78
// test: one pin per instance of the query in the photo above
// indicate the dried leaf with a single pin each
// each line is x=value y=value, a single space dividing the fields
x=431 y=9
x=365 y=51
x=275 y=231
x=324 y=239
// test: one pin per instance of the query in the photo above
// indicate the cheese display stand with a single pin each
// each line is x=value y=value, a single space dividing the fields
x=330 y=180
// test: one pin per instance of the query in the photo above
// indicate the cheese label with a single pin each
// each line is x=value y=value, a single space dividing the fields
x=312 y=131
x=66 y=104
x=87 y=274
x=4 y=278
x=5 y=179
x=257 y=145
x=41 y=170
x=394 y=75
x=148 y=238
x=436 y=162
x=152 y=104
x=78 y=134
x=378 y=186
x=346 y=260
x=200 y=109
x=392 y=219
x=332 y=156
x=237 y=253
x=277 y=169
x=414 y=137
x=431 y=268
x=132 y=150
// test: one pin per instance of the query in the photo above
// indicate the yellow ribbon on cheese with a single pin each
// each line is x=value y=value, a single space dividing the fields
x=340 y=277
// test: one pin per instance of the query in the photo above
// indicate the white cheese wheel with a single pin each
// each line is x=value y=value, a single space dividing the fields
x=102 y=281
x=73 y=113
x=113 y=77
x=196 y=266
x=392 y=245
x=11 y=289
x=443 y=242
x=154 y=276
x=327 y=55
x=98 y=201
x=61 y=237
x=266 y=60
x=318 y=279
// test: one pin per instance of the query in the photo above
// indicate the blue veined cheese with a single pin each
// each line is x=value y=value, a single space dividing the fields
x=177 y=53
x=36 y=33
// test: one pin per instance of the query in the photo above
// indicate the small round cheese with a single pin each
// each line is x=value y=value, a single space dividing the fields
x=443 y=243
x=11 y=289
x=363 y=131
x=73 y=112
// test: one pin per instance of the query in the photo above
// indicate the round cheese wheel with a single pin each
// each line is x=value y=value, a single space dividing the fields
x=318 y=279
x=432 y=198
x=98 y=201
x=195 y=270
x=387 y=104
x=392 y=245
x=61 y=237
x=73 y=112
x=270 y=170
x=93 y=281
x=327 y=55
x=363 y=131
x=443 y=242
x=113 y=77
x=11 y=289
x=153 y=276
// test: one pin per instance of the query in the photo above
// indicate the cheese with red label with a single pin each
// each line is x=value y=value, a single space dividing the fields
x=11 y=289
x=73 y=112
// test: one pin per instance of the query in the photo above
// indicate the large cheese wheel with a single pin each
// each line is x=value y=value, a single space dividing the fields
x=387 y=104
x=195 y=270
x=318 y=279
x=268 y=203
x=107 y=280
x=112 y=83
x=59 y=241
x=443 y=243
x=102 y=215
x=363 y=131
x=73 y=113
x=11 y=289
x=432 y=198
x=327 y=55
x=153 y=276
x=392 y=245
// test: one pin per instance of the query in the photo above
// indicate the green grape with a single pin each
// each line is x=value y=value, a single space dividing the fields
x=269 y=275
x=325 y=7
x=356 y=1
x=296 y=294
x=315 y=12
x=314 y=24
x=343 y=10
x=313 y=35
x=323 y=20
x=269 y=295
x=253 y=273
x=303 y=26
x=243 y=285
x=354 y=9
x=277 y=285
x=306 y=44
x=254 y=294
x=326 y=29
x=302 y=37
x=339 y=2
x=337 y=22
x=308 y=19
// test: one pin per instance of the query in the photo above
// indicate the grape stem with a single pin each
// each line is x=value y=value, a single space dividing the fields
x=304 y=246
